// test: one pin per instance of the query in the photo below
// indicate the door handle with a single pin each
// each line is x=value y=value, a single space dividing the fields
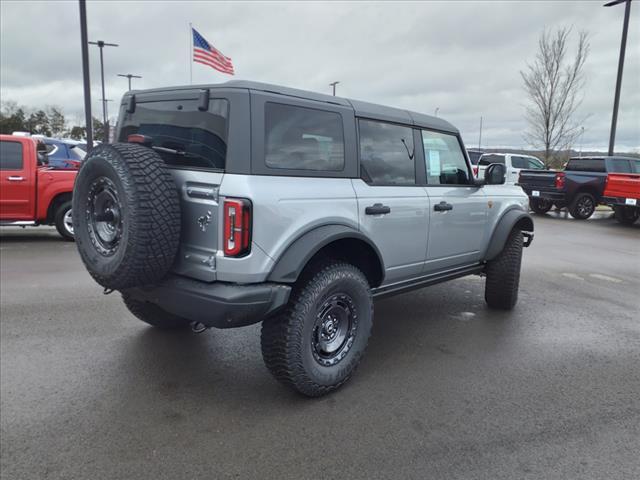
x=442 y=206
x=15 y=179
x=377 y=209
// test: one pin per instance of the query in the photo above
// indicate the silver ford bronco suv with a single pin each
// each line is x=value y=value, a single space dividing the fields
x=231 y=204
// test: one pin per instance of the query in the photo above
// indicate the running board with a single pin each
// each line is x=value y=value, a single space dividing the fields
x=19 y=223
x=426 y=281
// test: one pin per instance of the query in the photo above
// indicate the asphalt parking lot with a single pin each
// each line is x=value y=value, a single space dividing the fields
x=448 y=389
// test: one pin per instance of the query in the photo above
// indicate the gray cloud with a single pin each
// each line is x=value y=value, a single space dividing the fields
x=461 y=57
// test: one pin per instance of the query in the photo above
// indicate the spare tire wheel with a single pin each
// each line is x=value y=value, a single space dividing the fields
x=126 y=216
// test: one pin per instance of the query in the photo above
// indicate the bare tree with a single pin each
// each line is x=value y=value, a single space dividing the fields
x=553 y=87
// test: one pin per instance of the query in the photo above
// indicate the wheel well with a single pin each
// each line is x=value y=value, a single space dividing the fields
x=593 y=191
x=525 y=224
x=354 y=251
x=55 y=203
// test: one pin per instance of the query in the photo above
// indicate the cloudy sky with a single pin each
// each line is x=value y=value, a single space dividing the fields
x=462 y=57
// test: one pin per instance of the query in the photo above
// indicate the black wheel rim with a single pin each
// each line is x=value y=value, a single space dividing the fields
x=334 y=329
x=585 y=206
x=104 y=216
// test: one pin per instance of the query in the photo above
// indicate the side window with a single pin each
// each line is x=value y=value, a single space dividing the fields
x=586 y=165
x=386 y=153
x=636 y=165
x=487 y=160
x=535 y=164
x=519 y=162
x=445 y=161
x=300 y=138
x=619 y=165
x=11 y=156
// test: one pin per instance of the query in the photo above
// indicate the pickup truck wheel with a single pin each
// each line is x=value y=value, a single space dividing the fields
x=154 y=315
x=317 y=342
x=540 y=205
x=126 y=216
x=503 y=274
x=582 y=206
x=626 y=215
x=64 y=221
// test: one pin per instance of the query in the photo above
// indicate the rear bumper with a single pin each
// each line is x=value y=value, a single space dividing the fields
x=220 y=305
x=553 y=195
x=620 y=201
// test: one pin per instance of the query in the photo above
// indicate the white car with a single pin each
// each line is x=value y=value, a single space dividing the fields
x=513 y=162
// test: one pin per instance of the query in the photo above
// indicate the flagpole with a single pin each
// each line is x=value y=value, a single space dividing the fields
x=190 y=54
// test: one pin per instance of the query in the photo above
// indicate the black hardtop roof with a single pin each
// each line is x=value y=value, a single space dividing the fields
x=362 y=109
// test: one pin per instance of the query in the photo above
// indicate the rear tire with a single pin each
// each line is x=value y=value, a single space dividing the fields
x=582 y=206
x=153 y=314
x=63 y=221
x=540 y=205
x=315 y=345
x=626 y=215
x=503 y=274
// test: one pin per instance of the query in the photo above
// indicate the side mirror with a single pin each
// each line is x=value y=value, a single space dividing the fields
x=495 y=174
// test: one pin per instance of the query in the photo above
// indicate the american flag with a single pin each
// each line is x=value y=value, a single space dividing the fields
x=205 y=53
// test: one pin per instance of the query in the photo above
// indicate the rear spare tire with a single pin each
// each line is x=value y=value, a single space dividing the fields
x=126 y=216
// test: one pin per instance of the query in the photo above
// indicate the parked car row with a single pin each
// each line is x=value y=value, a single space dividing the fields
x=583 y=184
x=61 y=154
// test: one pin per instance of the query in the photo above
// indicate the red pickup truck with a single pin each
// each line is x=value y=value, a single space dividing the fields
x=31 y=193
x=622 y=193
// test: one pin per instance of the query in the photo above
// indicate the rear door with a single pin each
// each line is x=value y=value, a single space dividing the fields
x=392 y=207
x=17 y=180
x=458 y=212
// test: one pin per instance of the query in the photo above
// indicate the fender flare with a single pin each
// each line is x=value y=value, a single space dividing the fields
x=296 y=256
x=507 y=222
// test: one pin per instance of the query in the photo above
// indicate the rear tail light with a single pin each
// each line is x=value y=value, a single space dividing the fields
x=141 y=139
x=237 y=227
x=560 y=180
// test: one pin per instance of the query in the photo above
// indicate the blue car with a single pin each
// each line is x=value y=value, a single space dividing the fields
x=63 y=154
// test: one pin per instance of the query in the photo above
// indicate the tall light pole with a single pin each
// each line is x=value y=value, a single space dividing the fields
x=623 y=46
x=480 y=135
x=101 y=44
x=85 y=74
x=333 y=84
x=581 y=139
x=435 y=113
x=129 y=76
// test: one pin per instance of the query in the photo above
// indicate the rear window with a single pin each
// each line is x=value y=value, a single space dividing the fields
x=10 y=155
x=190 y=138
x=489 y=159
x=586 y=165
x=299 y=138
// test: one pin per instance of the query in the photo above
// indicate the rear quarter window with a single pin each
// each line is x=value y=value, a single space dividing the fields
x=192 y=138
x=300 y=138
x=10 y=155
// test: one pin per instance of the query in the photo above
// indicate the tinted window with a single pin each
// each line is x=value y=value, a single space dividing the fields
x=636 y=165
x=301 y=138
x=446 y=164
x=387 y=153
x=619 y=165
x=586 y=165
x=489 y=159
x=189 y=137
x=10 y=156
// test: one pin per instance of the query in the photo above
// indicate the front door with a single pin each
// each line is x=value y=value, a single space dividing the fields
x=458 y=212
x=393 y=210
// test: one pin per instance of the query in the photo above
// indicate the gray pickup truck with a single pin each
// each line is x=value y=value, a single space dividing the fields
x=227 y=205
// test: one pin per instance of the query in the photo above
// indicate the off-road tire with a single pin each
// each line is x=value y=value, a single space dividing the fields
x=540 y=205
x=288 y=338
x=153 y=314
x=626 y=215
x=59 y=220
x=503 y=274
x=582 y=206
x=146 y=200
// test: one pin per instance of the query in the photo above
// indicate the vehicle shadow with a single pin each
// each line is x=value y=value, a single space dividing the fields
x=26 y=235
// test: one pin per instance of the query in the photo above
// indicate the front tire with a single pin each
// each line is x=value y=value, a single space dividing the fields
x=582 y=206
x=315 y=345
x=626 y=215
x=503 y=274
x=153 y=314
x=540 y=205
x=63 y=221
